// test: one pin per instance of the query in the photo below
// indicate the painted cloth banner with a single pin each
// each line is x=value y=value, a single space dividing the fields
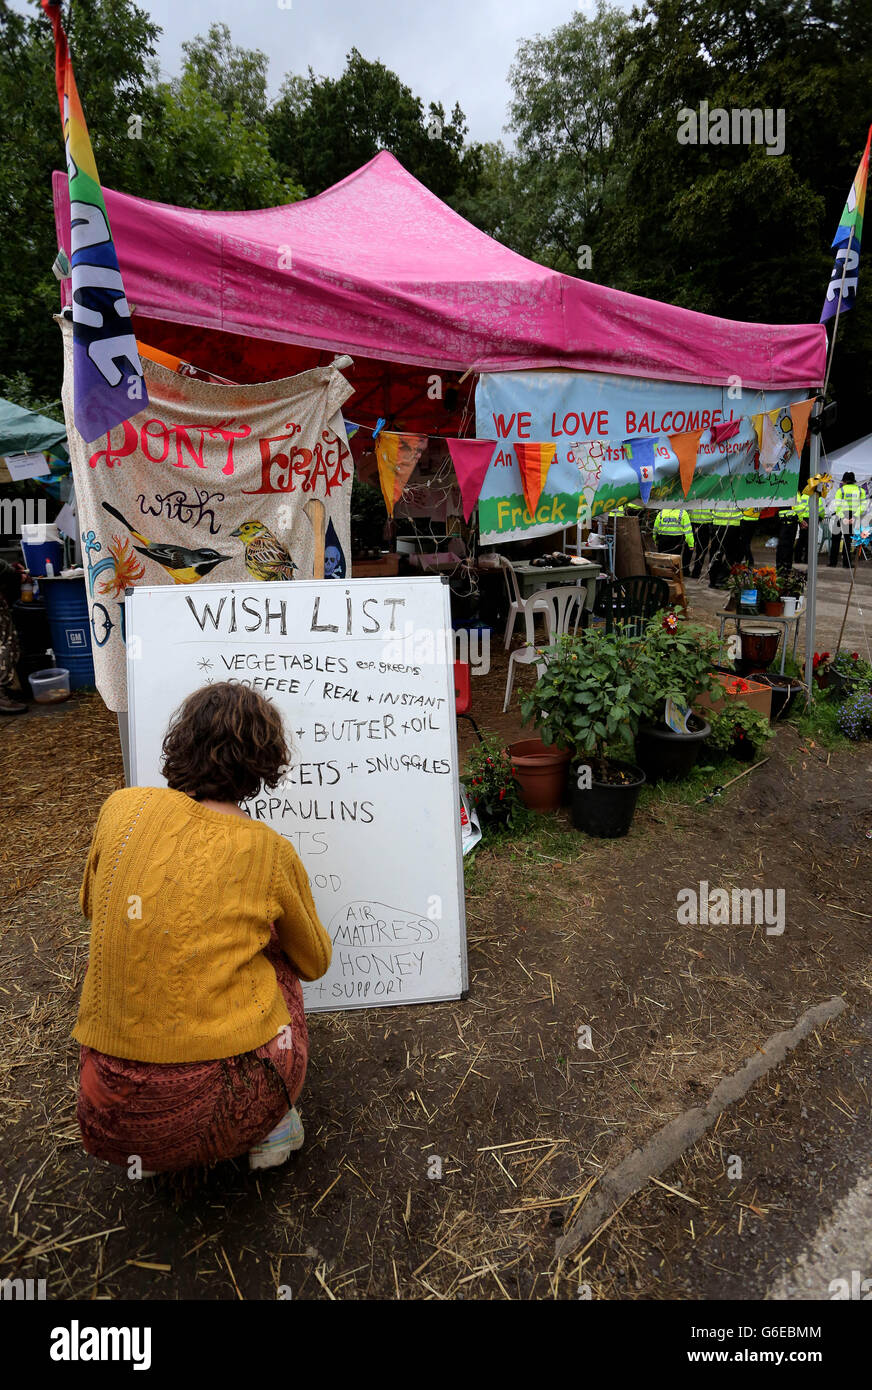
x=471 y=458
x=225 y=482
x=109 y=384
x=599 y=410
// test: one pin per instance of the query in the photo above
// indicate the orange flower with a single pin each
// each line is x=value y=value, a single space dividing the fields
x=128 y=568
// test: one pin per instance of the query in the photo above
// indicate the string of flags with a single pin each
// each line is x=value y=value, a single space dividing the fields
x=778 y=432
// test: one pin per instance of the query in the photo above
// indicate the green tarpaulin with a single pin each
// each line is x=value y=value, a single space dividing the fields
x=24 y=432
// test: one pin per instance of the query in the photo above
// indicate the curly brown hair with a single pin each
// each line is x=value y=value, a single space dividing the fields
x=224 y=743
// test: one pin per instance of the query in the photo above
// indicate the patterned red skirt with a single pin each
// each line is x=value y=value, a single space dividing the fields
x=174 y=1115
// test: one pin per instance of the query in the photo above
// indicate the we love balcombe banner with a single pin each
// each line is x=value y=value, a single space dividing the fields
x=214 y=482
x=590 y=416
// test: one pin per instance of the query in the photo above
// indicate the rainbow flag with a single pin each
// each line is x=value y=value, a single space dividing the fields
x=534 y=460
x=842 y=289
x=108 y=384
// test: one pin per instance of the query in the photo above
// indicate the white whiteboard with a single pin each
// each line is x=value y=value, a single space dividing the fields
x=362 y=672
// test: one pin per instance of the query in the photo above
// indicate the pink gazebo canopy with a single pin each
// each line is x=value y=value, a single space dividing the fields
x=377 y=265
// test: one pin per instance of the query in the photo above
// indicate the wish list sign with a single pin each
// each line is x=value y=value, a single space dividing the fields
x=362 y=673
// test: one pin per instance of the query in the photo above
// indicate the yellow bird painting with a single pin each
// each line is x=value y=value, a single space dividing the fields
x=265 y=556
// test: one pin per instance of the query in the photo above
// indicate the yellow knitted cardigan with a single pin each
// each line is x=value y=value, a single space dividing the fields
x=180 y=899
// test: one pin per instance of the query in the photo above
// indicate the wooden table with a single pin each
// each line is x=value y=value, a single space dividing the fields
x=533 y=577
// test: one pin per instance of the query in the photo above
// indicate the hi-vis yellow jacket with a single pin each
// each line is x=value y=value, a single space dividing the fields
x=674 y=521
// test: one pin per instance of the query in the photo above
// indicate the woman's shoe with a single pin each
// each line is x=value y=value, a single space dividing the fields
x=277 y=1147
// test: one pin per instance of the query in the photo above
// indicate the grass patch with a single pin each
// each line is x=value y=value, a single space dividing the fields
x=819 y=723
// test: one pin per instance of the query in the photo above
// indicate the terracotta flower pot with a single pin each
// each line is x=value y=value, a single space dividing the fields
x=773 y=608
x=541 y=772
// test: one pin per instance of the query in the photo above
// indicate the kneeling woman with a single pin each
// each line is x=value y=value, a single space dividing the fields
x=194 y=1041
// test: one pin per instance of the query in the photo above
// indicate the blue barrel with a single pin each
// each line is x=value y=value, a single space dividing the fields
x=67 y=607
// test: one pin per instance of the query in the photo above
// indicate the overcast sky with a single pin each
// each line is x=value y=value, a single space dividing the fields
x=445 y=50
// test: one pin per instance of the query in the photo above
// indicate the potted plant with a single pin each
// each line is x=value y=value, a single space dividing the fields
x=792 y=584
x=769 y=591
x=739 y=732
x=368 y=518
x=820 y=667
x=677 y=666
x=492 y=786
x=849 y=673
x=742 y=584
x=588 y=700
x=855 y=716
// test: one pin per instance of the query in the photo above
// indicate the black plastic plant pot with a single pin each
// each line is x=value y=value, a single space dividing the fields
x=606 y=809
x=783 y=688
x=667 y=757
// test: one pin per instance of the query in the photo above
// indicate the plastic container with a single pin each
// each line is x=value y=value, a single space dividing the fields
x=41 y=544
x=51 y=686
x=67 y=607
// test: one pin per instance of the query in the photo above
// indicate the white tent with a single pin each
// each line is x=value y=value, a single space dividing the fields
x=855 y=458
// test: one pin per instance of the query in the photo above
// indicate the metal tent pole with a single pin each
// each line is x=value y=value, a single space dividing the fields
x=813 y=542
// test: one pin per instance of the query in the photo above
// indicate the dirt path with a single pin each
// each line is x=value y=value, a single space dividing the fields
x=564 y=932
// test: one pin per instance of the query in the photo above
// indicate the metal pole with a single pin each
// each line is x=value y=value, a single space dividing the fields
x=813 y=542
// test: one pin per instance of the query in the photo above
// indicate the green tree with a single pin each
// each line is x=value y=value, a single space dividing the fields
x=324 y=128
x=235 y=77
x=563 y=111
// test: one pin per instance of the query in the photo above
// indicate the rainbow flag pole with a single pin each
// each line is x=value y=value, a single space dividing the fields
x=108 y=383
x=842 y=289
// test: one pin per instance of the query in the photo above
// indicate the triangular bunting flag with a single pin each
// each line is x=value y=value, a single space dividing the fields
x=640 y=453
x=534 y=460
x=727 y=429
x=799 y=413
x=471 y=459
x=757 y=422
x=590 y=469
x=397 y=455
x=686 y=448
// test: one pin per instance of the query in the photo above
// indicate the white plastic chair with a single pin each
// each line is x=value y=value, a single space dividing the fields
x=513 y=593
x=562 y=608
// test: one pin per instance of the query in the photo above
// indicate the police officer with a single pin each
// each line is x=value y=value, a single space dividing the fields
x=705 y=539
x=801 y=509
x=734 y=544
x=848 y=504
x=673 y=534
x=788 y=518
x=749 y=520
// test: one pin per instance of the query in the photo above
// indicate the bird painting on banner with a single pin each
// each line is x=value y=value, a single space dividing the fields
x=183 y=566
x=265 y=556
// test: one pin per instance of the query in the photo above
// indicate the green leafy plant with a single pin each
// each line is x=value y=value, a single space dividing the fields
x=736 y=727
x=792 y=583
x=676 y=661
x=492 y=787
x=589 y=698
x=852 y=668
x=368 y=517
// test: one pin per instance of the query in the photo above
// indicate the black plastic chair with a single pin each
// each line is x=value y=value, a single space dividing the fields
x=629 y=603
